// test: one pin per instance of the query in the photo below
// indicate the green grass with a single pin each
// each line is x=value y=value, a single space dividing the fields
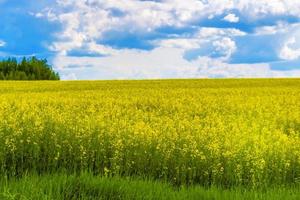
x=87 y=186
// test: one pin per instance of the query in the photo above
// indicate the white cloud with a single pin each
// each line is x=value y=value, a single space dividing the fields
x=215 y=36
x=281 y=27
x=2 y=43
x=231 y=18
x=225 y=47
x=69 y=76
x=129 y=64
x=267 y=30
x=210 y=32
x=86 y=23
x=289 y=53
x=287 y=36
x=262 y=8
x=183 y=43
x=159 y=63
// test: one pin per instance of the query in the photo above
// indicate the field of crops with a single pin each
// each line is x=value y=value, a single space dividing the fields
x=186 y=132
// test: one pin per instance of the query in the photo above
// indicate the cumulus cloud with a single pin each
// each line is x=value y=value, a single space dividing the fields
x=289 y=53
x=280 y=28
x=87 y=23
x=2 y=43
x=69 y=76
x=225 y=47
x=269 y=30
x=160 y=63
x=220 y=40
x=262 y=8
x=231 y=18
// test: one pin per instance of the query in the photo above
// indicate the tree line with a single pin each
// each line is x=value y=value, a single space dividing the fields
x=27 y=69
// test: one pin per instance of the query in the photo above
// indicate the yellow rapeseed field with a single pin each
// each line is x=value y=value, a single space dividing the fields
x=221 y=132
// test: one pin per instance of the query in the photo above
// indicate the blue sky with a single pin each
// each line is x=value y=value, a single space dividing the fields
x=135 y=39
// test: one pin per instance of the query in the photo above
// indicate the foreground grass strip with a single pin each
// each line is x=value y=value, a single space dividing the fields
x=87 y=186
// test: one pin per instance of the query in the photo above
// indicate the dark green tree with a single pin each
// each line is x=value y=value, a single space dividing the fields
x=2 y=77
x=27 y=69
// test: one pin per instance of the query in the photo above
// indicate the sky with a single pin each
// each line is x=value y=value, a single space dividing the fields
x=144 y=39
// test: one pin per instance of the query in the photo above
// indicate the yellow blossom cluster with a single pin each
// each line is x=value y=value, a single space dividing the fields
x=221 y=132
